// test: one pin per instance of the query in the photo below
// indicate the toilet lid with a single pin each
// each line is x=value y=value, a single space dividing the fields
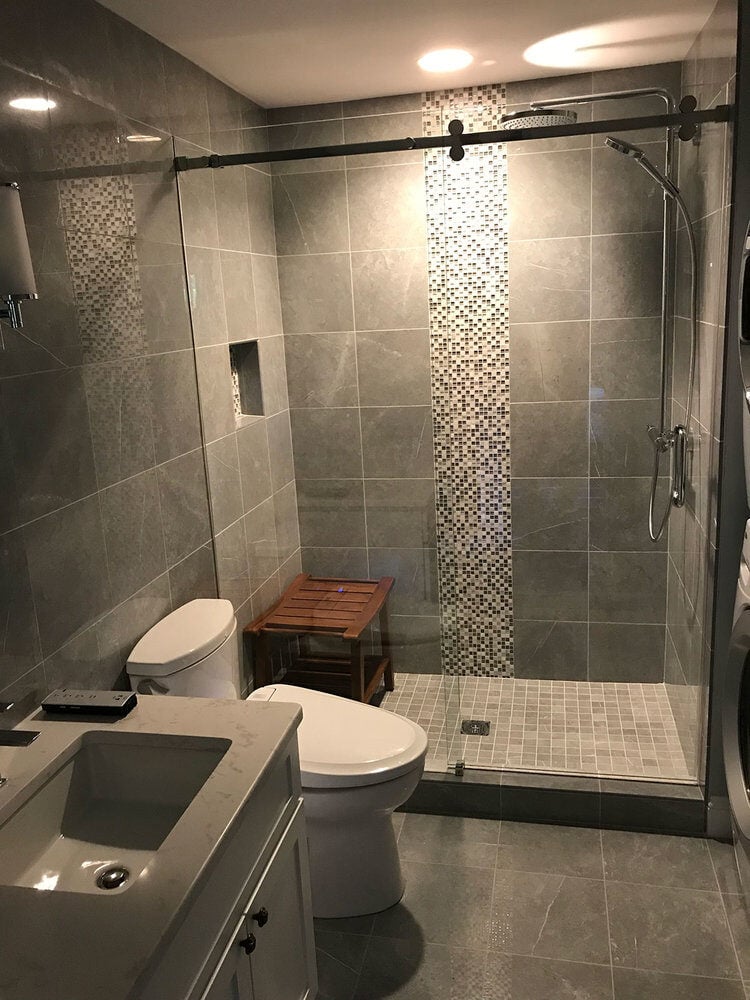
x=182 y=638
x=344 y=743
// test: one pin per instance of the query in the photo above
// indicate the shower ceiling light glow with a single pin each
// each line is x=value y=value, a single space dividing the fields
x=32 y=104
x=138 y=137
x=445 y=60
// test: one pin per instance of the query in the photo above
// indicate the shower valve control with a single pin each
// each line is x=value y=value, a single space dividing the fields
x=248 y=944
x=261 y=917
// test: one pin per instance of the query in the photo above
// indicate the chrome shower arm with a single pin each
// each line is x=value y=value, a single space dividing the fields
x=610 y=95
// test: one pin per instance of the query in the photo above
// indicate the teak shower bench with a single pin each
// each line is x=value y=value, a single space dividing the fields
x=323 y=606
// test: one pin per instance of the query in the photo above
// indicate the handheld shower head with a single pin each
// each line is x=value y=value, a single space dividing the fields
x=637 y=154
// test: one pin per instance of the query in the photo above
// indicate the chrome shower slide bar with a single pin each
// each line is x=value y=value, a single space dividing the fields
x=457 y=139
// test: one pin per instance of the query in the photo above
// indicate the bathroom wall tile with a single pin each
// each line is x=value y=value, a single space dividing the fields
x=665 y=75
x=344 y=562
x=255 y=464
x=207 y=307
x=184 y=505
x=193 y=577
x=225 y=492
x=280 y=449
x=310 y=212
x=133 y=536
x=224 y=105
x=49 y=440
x=316 y=294
x=394 y=367
x=266 y=595
x=273 y=375
x=187 y=96
x=119 y=403
x=306 y=135
x=174 y=404
x=375 y=128
x=331 y=512
x=20 y=648
x=50 y=337
x=528 y=91
x=286 y=521
x=619 y=514
x=327 y=444
x=68 y=570
x=550 y=196
x=77 y=61
x=626 y=369
x=400 y=512
x=198 y=202
x=156 y=206
x=262 y=550
x=549 y=361
x=550 y=585
x=549 y=280
x=305 y=113
x=614 y=331
x=387 y=206
x=215 y=387
x=638 y=205
x=120 y=630
x=260 y=211
x=550 y=649
x=415 y=644
x=390 y=289
x=415 y=591
x=550 y=513
x=397 y=103
x=549 y=439
x=267 y=296
x=321 y=370
x=231 y=564
x=165 y=308
x=684 y=628
x=397 y=442
x=84 y=663
x=232 y=219
x=628 y=587
x=239 y=296
x=289 y=569
x=626 y=654
x=626 y=275
x=619 y=442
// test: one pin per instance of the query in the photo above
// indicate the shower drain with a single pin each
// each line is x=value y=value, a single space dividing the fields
x=112 y=877
x=475 y=727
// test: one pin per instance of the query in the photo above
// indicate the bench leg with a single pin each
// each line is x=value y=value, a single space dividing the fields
x=385 y=646
x=358 y=671
x=262 y=665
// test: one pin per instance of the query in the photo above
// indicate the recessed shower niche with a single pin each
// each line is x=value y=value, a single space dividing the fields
x=247 y=392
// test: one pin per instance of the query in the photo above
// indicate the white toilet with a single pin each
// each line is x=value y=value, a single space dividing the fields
x=358 y=763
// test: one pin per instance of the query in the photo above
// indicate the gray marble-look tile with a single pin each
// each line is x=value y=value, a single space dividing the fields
x=273 y=375
x=415 y=591
x=239 y=296
x=387 y=207
x=260 y=211
x=400 y=513
x=415 y=643
x=619 y=514
x=303 y=134
x=634 y=984
x=327 y=443
x=619 y=440
x=549 y=280
x=335 y=562
x=461 y=842
x=280 y=449
x=626 y=275
x=739 y=925
x=215 y=387
x=316 y=293
x=394 y=367
x=267 y=296
x=232 y=217
x=550 y=196
x=187 y=99
x=397 y=442
x=626 y=654
x=133 y=535
x=85 y=663
x=390 y=289
x=262 y=549
x=310 y=212
x=198 y=204
x=67 y=562
x=286 y=521
x=377 y=107
x=321 y=369
x=518 y=977
x=653 y=859
x=184 y=505
x=549 y=439
x=207 y=308
x=625 y=369
x=225 y=492
x=627 y=587
x=19 y=648
x=667 y=929
x=174 y=404
x=550 y=650
x=550 y=513
x=555 y=850
x=231 y=564
x=725 y=866
x=549 y=361
x=550 y=585
x=550 y=916
x=192 y=577
x=638 y=204
x=255 y=464
x=165 y=307
x=375 y=128
x=331 y=512
x=410 y=970
x=339 y=959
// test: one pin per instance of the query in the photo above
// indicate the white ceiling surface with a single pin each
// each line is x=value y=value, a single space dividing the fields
x=285 y=52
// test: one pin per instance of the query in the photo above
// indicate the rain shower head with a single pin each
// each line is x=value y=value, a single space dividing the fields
x=542 y=118
x=637 y=154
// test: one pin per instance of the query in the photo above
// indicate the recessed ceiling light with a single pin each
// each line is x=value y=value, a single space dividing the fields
x=32 y=104
x=137 y=137
x=445 y=60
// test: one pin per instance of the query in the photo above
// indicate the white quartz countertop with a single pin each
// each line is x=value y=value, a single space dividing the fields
x=57 y=945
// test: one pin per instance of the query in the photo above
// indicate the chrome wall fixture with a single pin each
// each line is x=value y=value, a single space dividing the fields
x=16 y=271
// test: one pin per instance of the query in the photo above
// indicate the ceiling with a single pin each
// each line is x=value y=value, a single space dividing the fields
x=284 y=52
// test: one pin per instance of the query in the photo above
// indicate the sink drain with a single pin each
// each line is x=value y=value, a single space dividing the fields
x=112 y=877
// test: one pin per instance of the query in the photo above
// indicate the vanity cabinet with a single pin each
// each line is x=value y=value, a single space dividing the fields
x=271 y=955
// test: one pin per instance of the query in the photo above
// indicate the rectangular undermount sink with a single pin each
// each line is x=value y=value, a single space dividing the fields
x=101 y=816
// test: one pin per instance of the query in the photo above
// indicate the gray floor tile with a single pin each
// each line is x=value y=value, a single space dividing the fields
x=449 y=840
x=663 y=929
x=518 y=977
x=347 y=925
x=550 y=916
x=725 y=865
x=559 y=850
x=632 y=984
x=398 y=823
x=739 y=924
x=340 y=958
x=432 y=891
x=652 y=859
x=416 y=970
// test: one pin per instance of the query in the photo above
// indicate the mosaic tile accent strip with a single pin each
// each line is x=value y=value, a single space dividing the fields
x=467 y=216
x=567 y=727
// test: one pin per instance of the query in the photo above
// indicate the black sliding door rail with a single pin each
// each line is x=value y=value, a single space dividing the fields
x=457 y=140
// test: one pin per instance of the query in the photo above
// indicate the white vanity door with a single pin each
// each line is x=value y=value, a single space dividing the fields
x=232 y=979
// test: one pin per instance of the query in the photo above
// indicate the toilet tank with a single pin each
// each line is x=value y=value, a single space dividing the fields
x=193 y=652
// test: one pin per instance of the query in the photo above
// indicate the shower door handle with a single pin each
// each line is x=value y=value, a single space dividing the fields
x=743 y=316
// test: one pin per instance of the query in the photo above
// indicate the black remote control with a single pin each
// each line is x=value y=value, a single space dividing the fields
x=69 y=701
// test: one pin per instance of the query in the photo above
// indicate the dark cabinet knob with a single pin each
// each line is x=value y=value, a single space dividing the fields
x=261 y=917
x=248 y=945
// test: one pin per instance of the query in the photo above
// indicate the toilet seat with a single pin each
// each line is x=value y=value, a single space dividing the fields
x=345 y=744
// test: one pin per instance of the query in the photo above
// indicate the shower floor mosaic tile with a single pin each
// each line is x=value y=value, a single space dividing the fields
x=573 y=727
